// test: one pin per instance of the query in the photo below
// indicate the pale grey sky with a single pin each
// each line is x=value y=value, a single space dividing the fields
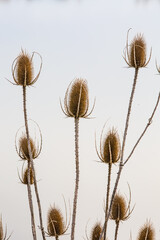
x=83 y=38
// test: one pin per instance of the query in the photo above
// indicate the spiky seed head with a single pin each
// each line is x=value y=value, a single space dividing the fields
x=137 y=54
x=76 y=99
x=25 y=176
x=55 y=225
x=96 y=232
x=24 y=69
x=147 y=232
x=23 y=148
x=111 y=147
x=119 y=208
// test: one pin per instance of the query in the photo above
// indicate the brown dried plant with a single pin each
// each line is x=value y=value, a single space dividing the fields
x=22 y=69
x=120 y=211
x=24 y=176
x=23 y=151
x=96 y=232
x=22 y=72
x=147 y=232
x=76 y=101
x=56 y=226
x=109 y=153
x=76 y=105
x=135 y=53
x=109 y=147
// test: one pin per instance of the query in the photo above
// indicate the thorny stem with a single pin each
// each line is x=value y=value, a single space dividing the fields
x=123 y=146
x=32 y=165
x=29 y=166
x=107 y=197
x=77 y=178
x=116 y=230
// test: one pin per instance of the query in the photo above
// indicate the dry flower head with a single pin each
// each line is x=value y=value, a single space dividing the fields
x=146 y=232
x=22 y=69
x=120 y=210
x=135 y=53
x=56 y=225
x=109 y=147
x=23 y=150
x=76 y=101
x=24 y=176
x=96 y=232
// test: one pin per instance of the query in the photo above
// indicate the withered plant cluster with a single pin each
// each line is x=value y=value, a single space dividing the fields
x=110 y=152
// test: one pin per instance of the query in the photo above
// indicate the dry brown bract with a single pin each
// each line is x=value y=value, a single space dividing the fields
x=146 y=232
x=76 y=101
x=56 y=225
x=22 y=69
x=23 y=151
x=135 y=53
x=24 y=176
x=109 y=147
x=120 y=211
x=96 y=232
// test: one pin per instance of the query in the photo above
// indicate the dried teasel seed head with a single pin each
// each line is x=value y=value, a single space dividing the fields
x=76 y=100
x=111 y=147
x=23 y=148
x=24 y=178
x=55 y=225
x=22 y=69
x=135 y=53
x=120 y=210
x=96 y=232
x=147 y=232
x=138 y=52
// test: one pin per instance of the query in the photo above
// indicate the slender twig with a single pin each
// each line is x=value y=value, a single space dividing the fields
x=107 y=196
x=116 y=230
x=31 y=164
x=77 y=178
x=145 y=129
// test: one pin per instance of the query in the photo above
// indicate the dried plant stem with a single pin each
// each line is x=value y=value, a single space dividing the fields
x=107 y=197
x=29 y=166
x=32 y=165
x=116 y=230
x=123 y=146
x=77 y=179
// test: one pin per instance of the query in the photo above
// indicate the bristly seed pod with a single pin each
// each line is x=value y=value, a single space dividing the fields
x=55 y=225
x=120 y=211
x=96 y=232
x=22 y=69
x=135 y=54
x=76 y=102
x=22 y=148
x=24 y=178
x=146 y=232
x=109 y=147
